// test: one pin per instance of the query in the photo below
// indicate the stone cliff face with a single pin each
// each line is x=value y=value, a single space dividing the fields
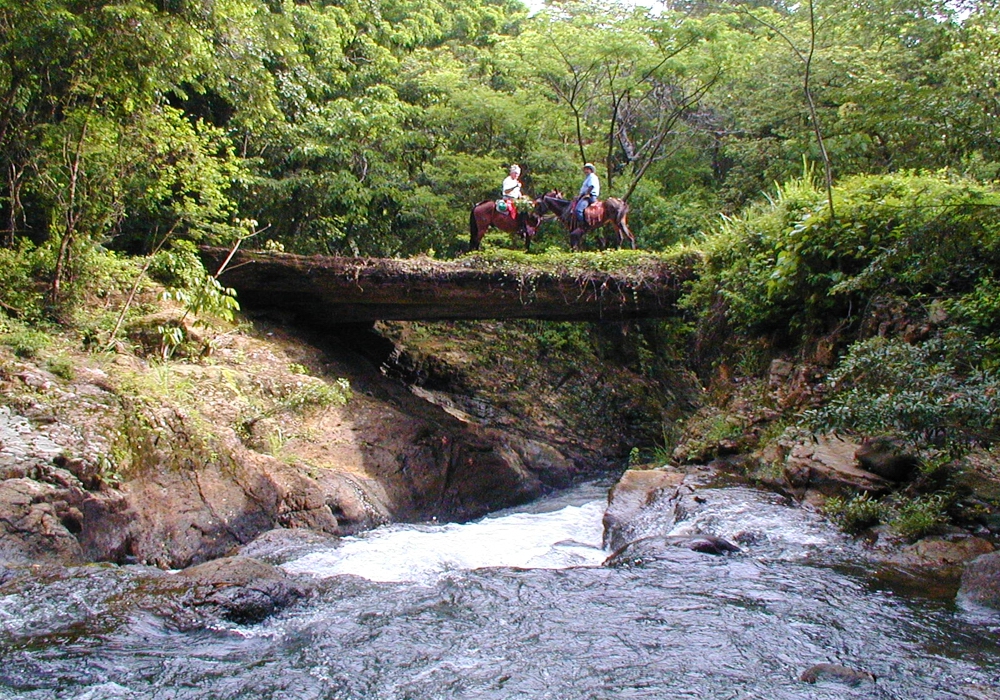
x=180 y=462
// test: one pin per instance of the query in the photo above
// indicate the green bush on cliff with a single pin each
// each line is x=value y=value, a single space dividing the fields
x=921 y=516
x=979 y=308
x=933 y=392
x=25 y=342
x=786 y=263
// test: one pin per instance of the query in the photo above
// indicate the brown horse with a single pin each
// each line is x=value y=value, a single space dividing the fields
x=485 y=214
x=612 y=211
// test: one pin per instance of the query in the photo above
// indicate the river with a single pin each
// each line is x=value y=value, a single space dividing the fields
x=517 y=605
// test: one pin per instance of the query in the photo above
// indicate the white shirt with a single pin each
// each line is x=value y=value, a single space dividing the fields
x=511 y=187
x=588 y=182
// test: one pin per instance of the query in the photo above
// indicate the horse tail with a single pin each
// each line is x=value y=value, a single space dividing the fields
x=621 y=221
x=473 y=229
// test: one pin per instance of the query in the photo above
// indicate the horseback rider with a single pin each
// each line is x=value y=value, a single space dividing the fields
x=511 y=189
x=589 y=192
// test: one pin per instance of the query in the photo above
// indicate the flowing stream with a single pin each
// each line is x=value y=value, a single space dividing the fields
x=518 y=605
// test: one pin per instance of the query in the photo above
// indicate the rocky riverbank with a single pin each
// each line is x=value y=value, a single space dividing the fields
x=131 y=459
x=127 y=457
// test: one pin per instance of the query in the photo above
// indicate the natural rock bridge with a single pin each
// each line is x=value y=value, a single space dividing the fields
x=333 y=290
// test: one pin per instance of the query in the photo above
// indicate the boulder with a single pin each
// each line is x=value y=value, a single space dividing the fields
x=981 y=581
x=828 y=466
x=239 y=589
x=779 y=372
x=642 y=499
x=942 y=551
x=837 y=673
x=660 y=547
x=887 y=457
x=282 y=545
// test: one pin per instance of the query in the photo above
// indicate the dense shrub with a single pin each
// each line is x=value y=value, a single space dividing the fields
x=788 y=263
x=21 y=293
x=931 y=392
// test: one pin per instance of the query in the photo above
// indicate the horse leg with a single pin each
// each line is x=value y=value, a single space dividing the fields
x=575 y=238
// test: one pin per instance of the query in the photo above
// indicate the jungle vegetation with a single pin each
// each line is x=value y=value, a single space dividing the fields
x=833 y=162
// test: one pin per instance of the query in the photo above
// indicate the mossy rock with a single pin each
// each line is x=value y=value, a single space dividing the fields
x=152 y=333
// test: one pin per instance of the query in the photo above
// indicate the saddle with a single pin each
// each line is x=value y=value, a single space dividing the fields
x=506 y=206
x=590 y=216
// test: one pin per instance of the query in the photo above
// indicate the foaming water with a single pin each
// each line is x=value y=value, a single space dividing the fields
x=562 y=537
x=562 y=532
x=517 y=607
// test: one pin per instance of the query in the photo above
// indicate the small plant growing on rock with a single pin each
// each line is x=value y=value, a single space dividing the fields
x=25 y=342
x=61 y=366
x=921 y=516
x=855 y=514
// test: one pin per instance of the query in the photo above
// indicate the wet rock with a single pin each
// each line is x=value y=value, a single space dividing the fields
x=540 y=458
x=887 y=457
x=281 y=545
x=981 y=581
x=185 y=517
x=828 y=466
x=641 y=500
x=836 y=673
x=31 y=529
x=942 y=551
x=240 y=589
x=655 y=548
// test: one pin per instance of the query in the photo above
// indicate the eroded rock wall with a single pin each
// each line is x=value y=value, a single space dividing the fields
x=93 y=469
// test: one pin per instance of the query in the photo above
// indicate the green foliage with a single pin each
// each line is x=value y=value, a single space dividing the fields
x=787 y=263
x=180 y=269
x=979 y=308
x=206 y=296
x=20 y=290
x=315 y=394
x=930 y=392
x=25 y=342
x=855 y=514
x=918 y=517
x=563 y=338
x=705 y=432
x=177 y=266
x=61 y=366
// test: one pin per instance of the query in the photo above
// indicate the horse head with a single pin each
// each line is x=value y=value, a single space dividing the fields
x=552 y=202
x=528 y=221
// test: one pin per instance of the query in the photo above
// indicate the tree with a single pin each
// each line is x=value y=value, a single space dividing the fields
x=626 y=78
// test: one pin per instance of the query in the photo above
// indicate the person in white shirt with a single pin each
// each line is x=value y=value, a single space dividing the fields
x=511 y=187
x=590 y=190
